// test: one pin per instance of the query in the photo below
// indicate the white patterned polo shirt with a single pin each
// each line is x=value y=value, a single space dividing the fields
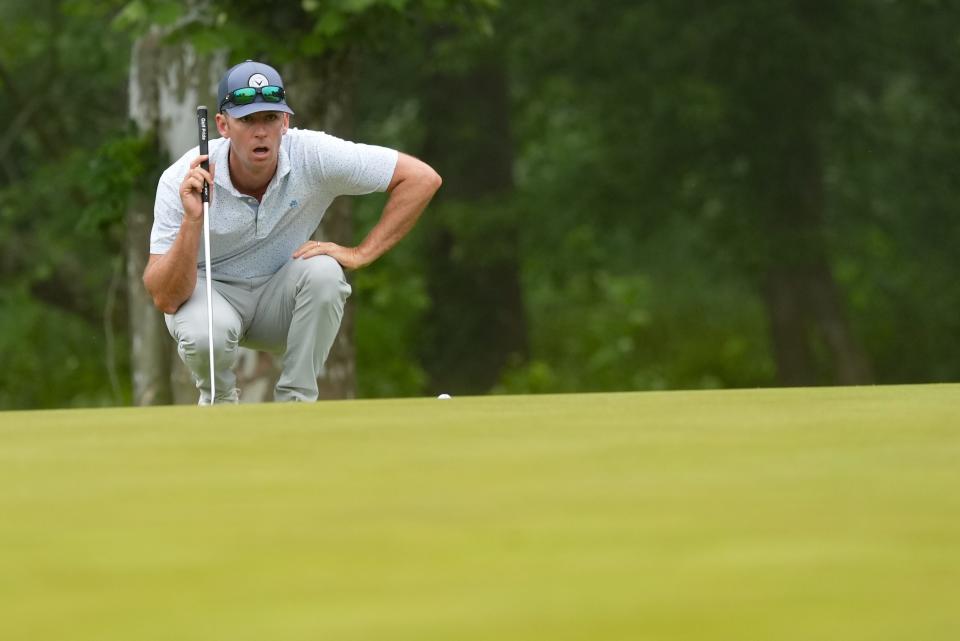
x=250 y=239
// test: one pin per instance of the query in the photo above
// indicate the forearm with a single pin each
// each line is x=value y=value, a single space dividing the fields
x=407 y=201
x=171 y=278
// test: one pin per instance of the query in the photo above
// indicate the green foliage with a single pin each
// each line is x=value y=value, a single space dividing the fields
x=141 y=14
x=62 y=237
x=390 y=300
x=293 y=29
x=894 y=228
x=116 y=168
x=62 y=204
x=634 y=115
x=51 y=358
x=673 y=321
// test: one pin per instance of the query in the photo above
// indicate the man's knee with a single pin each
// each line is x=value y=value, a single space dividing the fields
x=191 y=333
x=323 y=278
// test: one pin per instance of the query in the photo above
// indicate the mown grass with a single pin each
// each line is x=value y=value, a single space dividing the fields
x=772 y=514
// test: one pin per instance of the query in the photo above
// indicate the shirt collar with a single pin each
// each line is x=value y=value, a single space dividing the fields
x=220 y=156
x=283 y=160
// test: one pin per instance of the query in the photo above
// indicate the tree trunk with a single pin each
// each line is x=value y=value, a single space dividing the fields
x=324 y=89
x=472 y=240
x=167 y=82
x=804 y=303
x=852 y=365
x=150 y=347
x=150 y=342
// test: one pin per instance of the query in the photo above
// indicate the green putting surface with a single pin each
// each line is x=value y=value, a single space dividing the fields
x=806 y=514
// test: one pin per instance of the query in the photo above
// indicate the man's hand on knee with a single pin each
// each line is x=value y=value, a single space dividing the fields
x=348 y=257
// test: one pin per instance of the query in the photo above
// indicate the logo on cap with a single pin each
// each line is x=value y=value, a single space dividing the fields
x=257 y=80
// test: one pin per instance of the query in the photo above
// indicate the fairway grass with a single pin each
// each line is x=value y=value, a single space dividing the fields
x=784 y=515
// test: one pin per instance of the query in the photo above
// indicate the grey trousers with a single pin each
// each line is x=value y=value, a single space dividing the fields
x=295 y=312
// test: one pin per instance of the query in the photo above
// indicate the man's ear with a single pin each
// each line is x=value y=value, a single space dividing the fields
x=286 y=123
x=223 y=126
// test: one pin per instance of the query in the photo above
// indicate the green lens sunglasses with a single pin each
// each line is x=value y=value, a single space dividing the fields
x=246 y=95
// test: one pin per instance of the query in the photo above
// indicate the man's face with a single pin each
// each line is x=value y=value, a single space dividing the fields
x=254 y=139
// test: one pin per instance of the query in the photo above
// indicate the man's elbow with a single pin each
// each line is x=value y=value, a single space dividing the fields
x=433 y=180
x=161 y=302
x=165 y=307
x=165 y=304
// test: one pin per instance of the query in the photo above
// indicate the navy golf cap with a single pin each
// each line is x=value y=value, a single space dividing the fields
x=250 y=74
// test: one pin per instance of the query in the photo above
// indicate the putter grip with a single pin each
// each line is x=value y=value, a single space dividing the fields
x=204 y=148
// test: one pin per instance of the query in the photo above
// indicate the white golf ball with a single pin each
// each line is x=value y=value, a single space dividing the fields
x=444 y=397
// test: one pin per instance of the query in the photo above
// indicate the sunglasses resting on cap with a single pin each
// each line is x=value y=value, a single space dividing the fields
x=246 y=95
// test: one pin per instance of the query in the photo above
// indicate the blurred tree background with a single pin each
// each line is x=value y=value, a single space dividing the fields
x=637 y=195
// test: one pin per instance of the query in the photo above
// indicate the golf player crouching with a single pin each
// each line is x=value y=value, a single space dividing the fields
x=273 y=287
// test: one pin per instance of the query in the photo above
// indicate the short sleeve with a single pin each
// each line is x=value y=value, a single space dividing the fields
x=167 y=214
x=354 y=168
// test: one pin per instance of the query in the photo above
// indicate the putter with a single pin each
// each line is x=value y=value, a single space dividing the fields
x=205 y=197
